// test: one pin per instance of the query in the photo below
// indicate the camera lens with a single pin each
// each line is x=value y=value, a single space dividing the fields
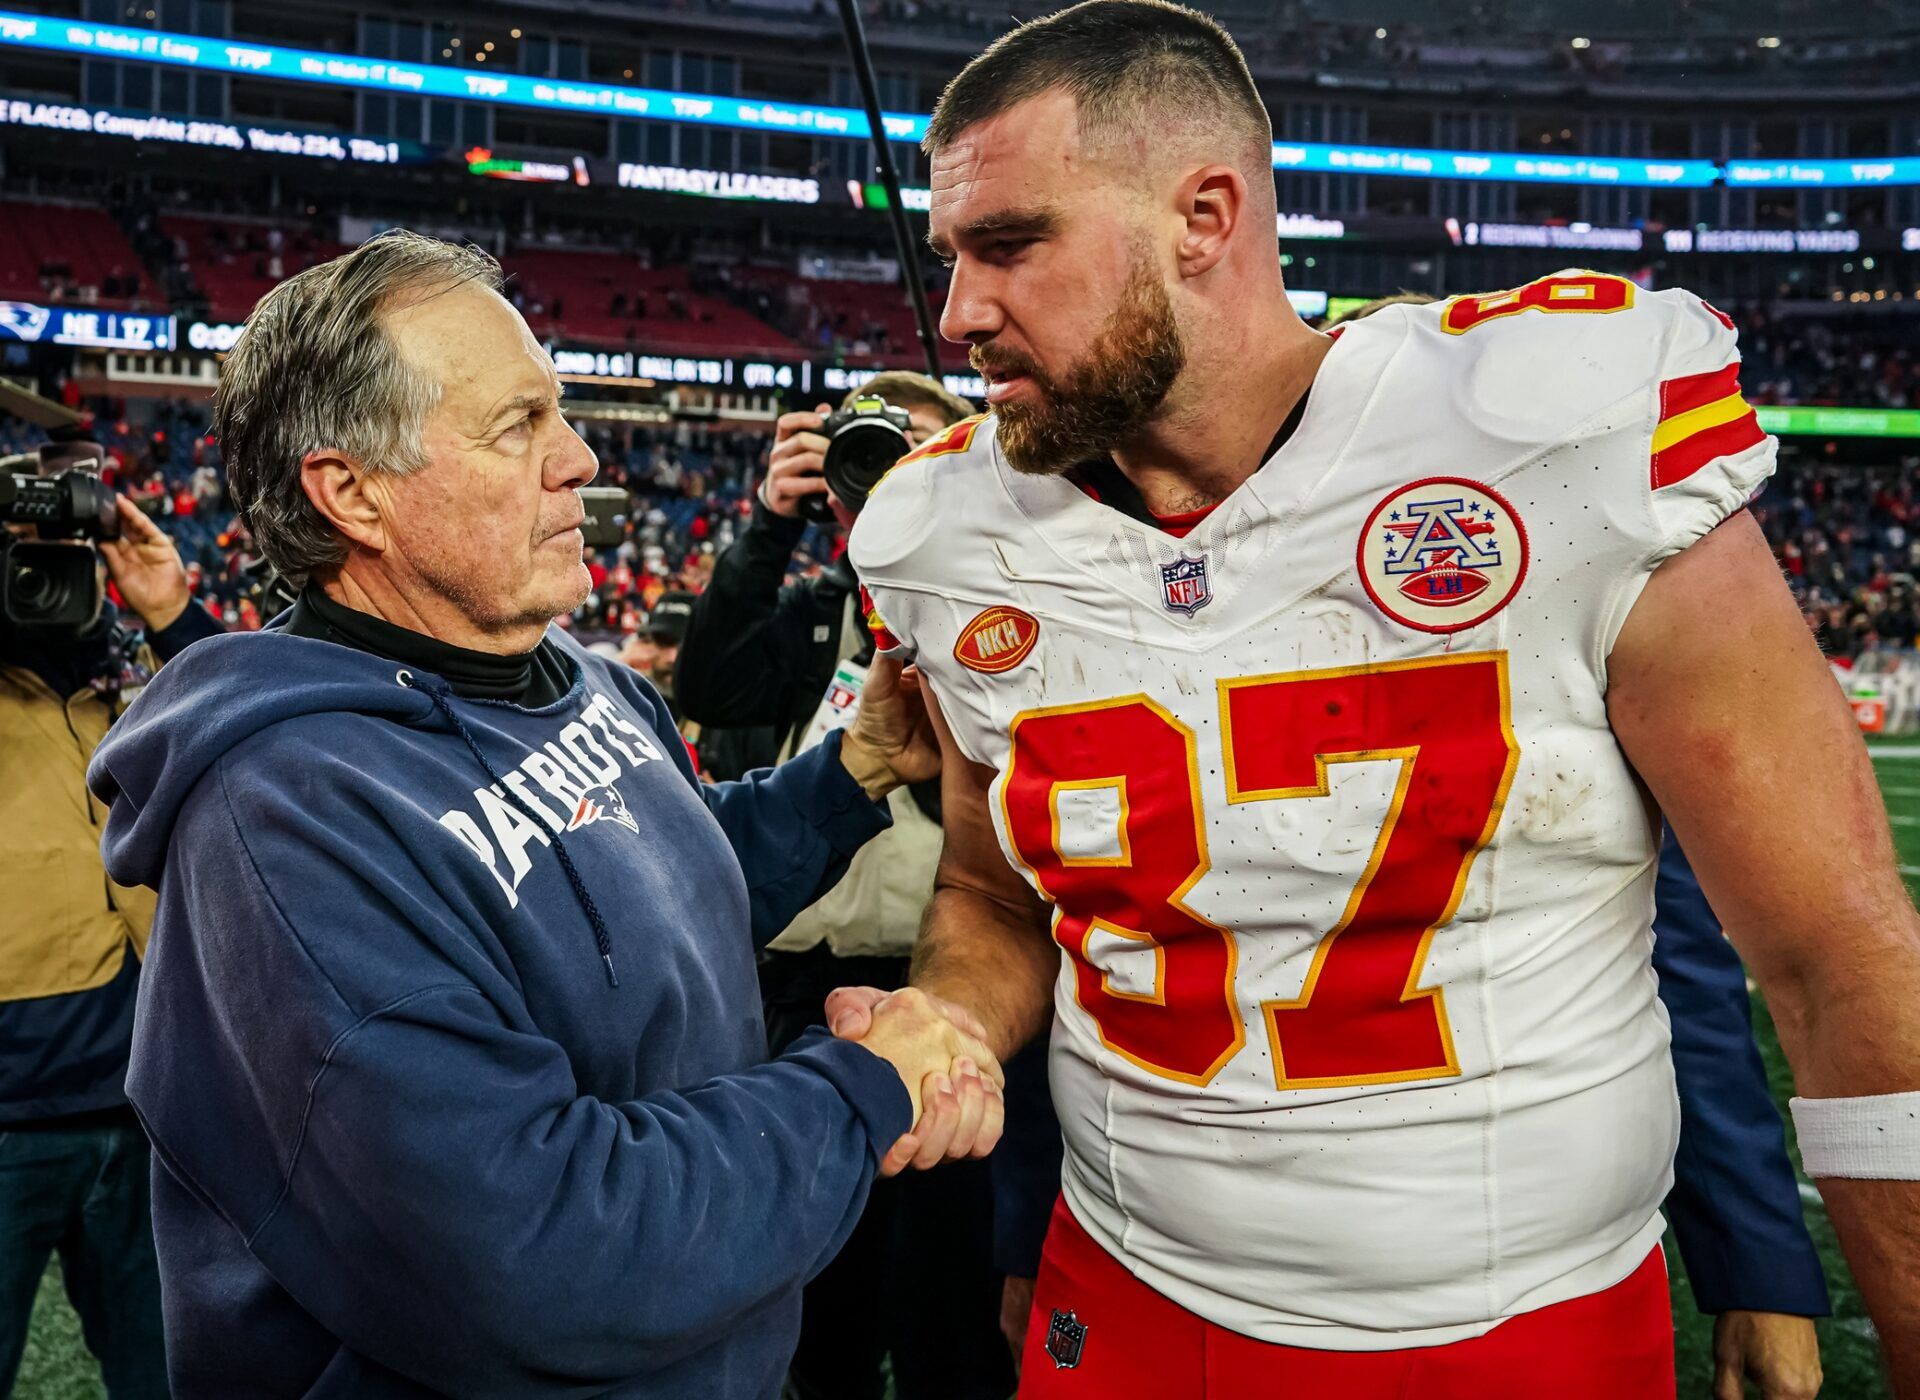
x=859 y=455
x=35 y=592
x=49 y=585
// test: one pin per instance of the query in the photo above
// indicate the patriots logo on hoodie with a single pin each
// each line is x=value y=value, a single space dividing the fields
x=602 y=804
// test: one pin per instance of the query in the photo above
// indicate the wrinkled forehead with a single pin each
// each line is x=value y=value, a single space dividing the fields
x=1027 y=157
x=471 y=341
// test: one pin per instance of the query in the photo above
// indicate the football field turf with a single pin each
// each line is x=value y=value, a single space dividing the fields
x=57 y=1366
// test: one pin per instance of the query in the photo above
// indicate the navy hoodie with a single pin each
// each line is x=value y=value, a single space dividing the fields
x=448 y=1037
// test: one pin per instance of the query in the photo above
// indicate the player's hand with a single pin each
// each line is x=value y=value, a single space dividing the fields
x=891 y=742
x=850 y=1012
x=953 y=1080
x=1778 y=1352
x=146 y=568
x=793 y=468
x=1016 y=1306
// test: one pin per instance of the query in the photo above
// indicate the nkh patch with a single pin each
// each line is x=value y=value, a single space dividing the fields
x=1184 y=587
x=1442 y=554
x=1066 y=1339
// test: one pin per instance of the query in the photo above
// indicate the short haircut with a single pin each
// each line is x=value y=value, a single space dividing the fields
x=1360 y=313
x=314 y=370
x=904 y=389
x=1124 y=62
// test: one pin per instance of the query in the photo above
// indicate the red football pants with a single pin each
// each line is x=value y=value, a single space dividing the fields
x=1613 y=1345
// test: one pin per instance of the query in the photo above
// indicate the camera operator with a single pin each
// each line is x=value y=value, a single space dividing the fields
x=73 y=1160
x=757 y=659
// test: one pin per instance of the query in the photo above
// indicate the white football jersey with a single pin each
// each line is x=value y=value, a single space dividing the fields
x=1358 y=1044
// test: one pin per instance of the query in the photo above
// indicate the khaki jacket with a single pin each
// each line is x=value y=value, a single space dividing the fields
x=64 y=926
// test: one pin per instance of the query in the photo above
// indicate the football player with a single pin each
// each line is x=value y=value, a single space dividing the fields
x=1309 y=707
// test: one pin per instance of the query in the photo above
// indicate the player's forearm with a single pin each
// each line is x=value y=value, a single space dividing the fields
x=1879 y=1227
x=990 y=959
x=1849 y=1021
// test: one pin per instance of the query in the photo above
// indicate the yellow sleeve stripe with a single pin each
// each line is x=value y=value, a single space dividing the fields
x=1697 y=420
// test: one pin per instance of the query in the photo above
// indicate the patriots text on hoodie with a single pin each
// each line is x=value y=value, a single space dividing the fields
x=448 y=1039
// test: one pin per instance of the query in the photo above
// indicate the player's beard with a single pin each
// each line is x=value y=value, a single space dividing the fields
x=1108 y=396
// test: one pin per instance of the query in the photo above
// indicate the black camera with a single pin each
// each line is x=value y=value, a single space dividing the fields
x=52 y=583
x=864 y=439
x=607 y=508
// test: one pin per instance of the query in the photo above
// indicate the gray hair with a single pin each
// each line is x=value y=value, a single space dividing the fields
x=315 y=370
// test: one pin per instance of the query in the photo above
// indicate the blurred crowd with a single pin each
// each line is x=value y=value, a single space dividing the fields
x=1810 y=361
x=691 y=484
x=1848 y=539
x=1847 y=536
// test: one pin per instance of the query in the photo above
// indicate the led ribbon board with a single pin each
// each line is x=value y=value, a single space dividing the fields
x=85 y=327
x=792 y=118
x=1841 y=422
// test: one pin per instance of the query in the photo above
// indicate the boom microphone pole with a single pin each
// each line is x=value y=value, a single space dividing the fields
x=890 y=180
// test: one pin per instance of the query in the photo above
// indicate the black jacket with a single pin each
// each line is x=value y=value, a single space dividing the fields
x=760 y=651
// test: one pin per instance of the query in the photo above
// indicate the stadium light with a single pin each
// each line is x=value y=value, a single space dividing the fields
x=1583 y=43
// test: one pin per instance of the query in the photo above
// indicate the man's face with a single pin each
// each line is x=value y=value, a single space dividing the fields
x=666 y=651
x=1055 y=284
x=639 y=652
x=491 y=521
x=927 y=422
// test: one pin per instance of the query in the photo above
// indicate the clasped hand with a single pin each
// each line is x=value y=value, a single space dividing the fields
x=939 y=1050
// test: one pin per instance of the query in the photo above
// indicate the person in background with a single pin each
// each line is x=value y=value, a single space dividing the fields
x=769 y=661
x=660 y=638
x=73 y=1161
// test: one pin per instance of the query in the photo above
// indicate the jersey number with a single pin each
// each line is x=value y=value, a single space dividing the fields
x=1583 y=291
x=1362 y=1016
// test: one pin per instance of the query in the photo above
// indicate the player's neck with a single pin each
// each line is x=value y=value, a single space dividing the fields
x=1203 y=447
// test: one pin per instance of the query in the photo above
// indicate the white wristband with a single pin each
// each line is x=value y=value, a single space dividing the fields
x=1875 y=1137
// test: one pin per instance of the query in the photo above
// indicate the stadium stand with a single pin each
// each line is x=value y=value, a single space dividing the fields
x=69 y=253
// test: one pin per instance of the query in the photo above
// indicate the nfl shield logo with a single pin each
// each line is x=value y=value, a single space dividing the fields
x=1065 y=1340
x=1183 y=585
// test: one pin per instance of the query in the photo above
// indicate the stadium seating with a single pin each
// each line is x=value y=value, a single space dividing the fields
x=234 y=262
x=45 y=248
x=615 y=299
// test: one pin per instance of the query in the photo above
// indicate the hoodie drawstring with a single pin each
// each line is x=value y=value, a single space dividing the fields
x=501 y=786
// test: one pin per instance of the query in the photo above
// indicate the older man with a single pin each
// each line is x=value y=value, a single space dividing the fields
x=448 y=1042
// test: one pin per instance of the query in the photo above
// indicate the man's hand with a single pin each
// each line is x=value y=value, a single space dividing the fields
x=146 y=568
x=1016 y=1306
x=1778 y=1352
x=891 y=741
x=953 y=1080
x=799 y=456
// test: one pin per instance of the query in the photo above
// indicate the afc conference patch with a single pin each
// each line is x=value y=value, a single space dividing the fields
x=1066 y=1339
x=1443 y=554
x=1183 y=585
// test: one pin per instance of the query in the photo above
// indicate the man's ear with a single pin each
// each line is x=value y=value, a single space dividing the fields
x=347 y=495
x=1212 y=200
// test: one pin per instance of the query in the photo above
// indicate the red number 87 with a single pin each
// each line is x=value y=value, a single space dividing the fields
x=1361 y=1017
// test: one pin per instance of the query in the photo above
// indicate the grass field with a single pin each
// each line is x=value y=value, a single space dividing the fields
x=57 y=1366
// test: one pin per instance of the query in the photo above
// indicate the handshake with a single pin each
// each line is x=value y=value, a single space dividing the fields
x=939 y=1051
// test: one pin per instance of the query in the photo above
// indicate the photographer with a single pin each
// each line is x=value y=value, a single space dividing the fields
x=73 y=1161
x=779 y=662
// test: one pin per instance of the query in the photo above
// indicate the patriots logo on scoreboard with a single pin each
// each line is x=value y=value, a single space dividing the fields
x=1443 y=554
x=1066 y=1339
x=22 y=320
x=1184 y=587
x=602 y=804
